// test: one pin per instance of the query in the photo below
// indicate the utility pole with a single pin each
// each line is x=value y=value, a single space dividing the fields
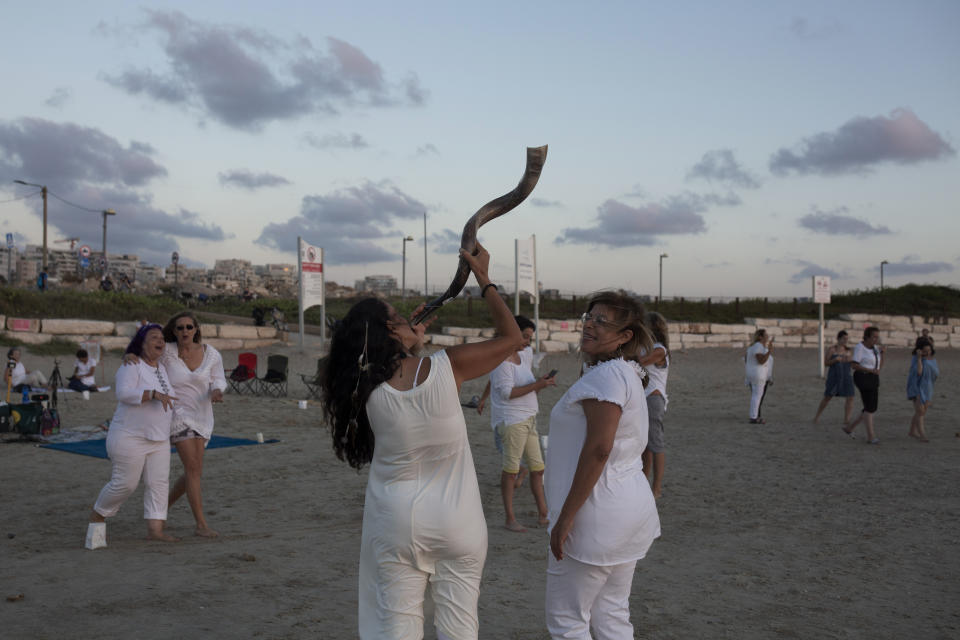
x=106 y=212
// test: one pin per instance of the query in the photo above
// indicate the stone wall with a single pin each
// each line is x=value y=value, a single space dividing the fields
x=561 y=336
x=116 y=335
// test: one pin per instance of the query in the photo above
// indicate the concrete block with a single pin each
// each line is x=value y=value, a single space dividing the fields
x=836 y=325
x=238 y=332
x=753 y=322
x=25 y=325
x=730 y=344
x=720 y=338
x=790 y=340
x=735 y=329
x=474 y=339
x=800 y=331
x=209 y=330
x=28 y=337
x=125 y=329
x=554 y=346
x=771 y=331
x=917 y=320
x=674 y=338
x=3 y=321
x=692 y=338
x=489 y=333
x=254 y=344
x=695 y=345
x=225 y=344
x=698 y=327
x=810 y=323
x=792 y=323
x=445 y=340
x=58 y=326
x=677 y=327
x=899 y=336
x=461 y=332
x=266 y=332
x=565 y=336
x=114 y=343
x=939 y=337
x=857 y=318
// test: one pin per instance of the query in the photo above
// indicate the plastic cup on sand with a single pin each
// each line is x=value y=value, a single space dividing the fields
x=86 y=395
x=260 y=438
x=302 y=404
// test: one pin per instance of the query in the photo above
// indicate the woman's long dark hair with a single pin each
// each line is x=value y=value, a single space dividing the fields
x=346 y=387
x=629 y=314
x=136 y=344
x=170 y=329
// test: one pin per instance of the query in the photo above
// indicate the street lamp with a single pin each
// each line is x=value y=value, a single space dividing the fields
x=106 y=212
x=426 y=290
x=881 y=274
x=44 y=192
x=660 y=297
x=403 y=281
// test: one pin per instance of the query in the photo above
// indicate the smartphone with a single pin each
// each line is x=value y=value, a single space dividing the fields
x=552 y=373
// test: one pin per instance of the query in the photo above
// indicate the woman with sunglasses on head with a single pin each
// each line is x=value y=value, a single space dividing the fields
x=423 y=522
x=138 y=442
x=602 y=511
x=758 y=365
x=196 y=373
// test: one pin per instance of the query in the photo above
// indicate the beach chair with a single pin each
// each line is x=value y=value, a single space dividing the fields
x=243 y=379
x=274 y=383
x=312 y=381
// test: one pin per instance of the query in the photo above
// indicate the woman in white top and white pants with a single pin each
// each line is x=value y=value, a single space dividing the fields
x=602 y=512
x=138 y=442
x=759 y=367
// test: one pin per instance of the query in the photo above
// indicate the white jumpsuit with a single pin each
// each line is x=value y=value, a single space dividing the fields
x=422 y=517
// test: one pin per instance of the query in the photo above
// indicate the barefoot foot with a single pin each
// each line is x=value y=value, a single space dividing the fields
x=161 y=537
x=515 y=526
x=205 y=532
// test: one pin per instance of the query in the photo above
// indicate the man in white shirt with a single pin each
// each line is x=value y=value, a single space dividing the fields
x=16 y=375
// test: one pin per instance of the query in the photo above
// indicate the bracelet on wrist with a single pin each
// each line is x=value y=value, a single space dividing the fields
x=483 y=292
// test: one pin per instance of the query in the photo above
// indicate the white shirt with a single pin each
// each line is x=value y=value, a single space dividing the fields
x=657 y=375
x=619 y=520
x=18 y=374
x=145 y=419
x=866 y=358
x=757 y=372
x=503 y=379
x=193 y=408
x=84 y=369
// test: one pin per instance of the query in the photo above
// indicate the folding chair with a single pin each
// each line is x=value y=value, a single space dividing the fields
x=274 y=383
x=243 y=379
x=312 y=381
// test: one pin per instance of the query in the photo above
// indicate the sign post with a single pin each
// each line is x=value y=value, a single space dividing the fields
x=175 y=259
x=9 y=258
x=310 y=289
x=821 y=296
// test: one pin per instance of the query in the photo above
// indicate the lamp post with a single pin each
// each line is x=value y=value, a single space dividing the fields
x=426 y=291
x=44 y=192
x=106 y=212
x=660 y=297
x=403 y=281
x=881 y=274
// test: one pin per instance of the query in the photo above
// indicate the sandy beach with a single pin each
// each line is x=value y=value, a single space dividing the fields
x=787 y=530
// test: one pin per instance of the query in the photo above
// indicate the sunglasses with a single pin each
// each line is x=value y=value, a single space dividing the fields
x=598 y=319
x=185 y=327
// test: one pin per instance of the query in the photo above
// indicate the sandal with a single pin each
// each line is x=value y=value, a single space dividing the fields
x=757 y=421
x=874 y=441
x=849 y=433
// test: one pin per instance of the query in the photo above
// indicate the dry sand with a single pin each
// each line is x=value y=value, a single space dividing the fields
x=787 y=530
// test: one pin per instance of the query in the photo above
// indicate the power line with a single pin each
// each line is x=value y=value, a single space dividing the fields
x=29 y=195
x=73 y=204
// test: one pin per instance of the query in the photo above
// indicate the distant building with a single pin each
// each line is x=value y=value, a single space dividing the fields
x=385 y=285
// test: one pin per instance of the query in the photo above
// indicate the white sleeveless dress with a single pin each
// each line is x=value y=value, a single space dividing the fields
x=422 y=517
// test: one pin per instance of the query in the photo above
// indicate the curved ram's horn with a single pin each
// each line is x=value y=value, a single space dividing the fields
x=536 y=156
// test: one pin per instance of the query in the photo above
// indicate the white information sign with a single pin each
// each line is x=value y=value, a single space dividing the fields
x=821 y=289
x=311 y=275
x=526 y=266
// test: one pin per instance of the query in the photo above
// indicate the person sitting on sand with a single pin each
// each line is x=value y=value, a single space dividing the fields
x=17 y=377
x=84 y=369
x=138 y=441
x=923 y=373
x=423 y=522
x=513 y=393
x=839 y=377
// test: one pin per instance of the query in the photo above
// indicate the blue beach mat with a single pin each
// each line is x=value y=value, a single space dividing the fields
x=98 y=448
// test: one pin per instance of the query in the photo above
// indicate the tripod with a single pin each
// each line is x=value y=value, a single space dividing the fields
x=55 y=382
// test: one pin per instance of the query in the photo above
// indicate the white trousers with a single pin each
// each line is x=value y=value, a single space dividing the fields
x=35 y=379
x=133 y=456
x=757 y=389
x=582 y=596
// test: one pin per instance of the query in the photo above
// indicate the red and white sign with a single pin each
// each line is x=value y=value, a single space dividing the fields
x=84 y=251
x=821 y=289
x=311 y=275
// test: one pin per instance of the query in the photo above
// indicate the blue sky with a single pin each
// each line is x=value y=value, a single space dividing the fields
x=756 y=143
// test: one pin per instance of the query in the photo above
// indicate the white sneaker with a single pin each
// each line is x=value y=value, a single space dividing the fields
x=96 y=535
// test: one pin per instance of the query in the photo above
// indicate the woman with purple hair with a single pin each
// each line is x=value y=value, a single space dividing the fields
x=138 y=442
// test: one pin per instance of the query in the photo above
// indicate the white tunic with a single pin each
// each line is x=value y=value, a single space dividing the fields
x=422 y=508
x=619 y=520
x=658 y=374
x=145 y=419
x=84 y=369
x=756 y=372
x=503 y=379
x=193 y=408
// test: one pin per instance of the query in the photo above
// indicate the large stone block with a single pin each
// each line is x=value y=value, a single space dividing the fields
x=695 y=345
x=734 y=329
x=569 y=337
x=461 y=332
x=26 y=325
x=125 y=329
x=225 y=344
x=474 y=339
x=239 y=331
x=799 y=331
x=791 y=323
x=900 y=336
x=28 y=337
x=858 y=318
x=790 y=339
x=837 y=325
x=445 y=340
x=692 y=338
x=266 y=332
x=59 y=326
x=729 y=344
x=489 y=333
x=757 y=321
x=554 y=346
x=771 y=331
x=114 y=343
x=3 y=321
x=718 y=338
x=677 y=327
x=698 y=327
x=209 y=330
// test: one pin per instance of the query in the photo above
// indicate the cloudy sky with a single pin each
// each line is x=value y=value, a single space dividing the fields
x=755 y=143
